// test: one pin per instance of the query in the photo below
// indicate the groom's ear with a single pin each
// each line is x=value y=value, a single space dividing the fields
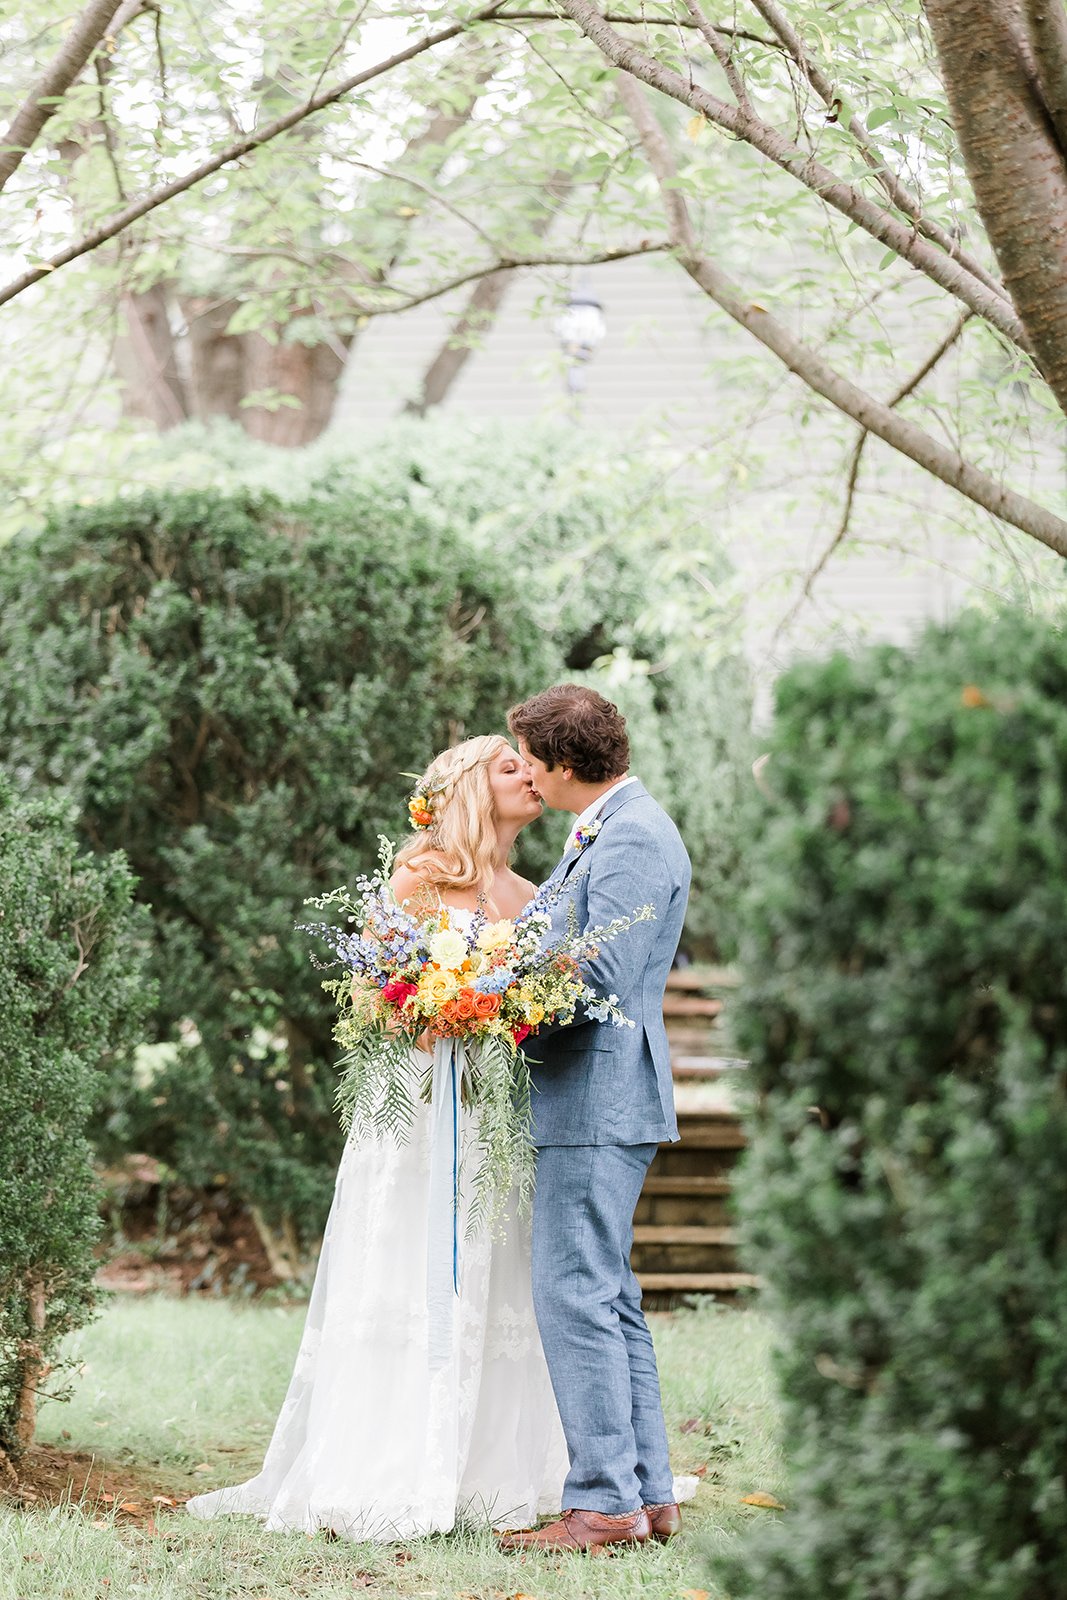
x=567 y=772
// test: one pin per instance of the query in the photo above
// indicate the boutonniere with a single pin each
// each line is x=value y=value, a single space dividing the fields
x=585 y=836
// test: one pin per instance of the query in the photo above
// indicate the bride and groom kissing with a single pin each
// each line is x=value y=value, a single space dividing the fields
x=549 y=1402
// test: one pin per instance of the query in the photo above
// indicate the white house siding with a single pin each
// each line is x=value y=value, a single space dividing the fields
x=667 y=370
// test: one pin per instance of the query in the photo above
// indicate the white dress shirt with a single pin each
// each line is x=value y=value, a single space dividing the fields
x=590 y=814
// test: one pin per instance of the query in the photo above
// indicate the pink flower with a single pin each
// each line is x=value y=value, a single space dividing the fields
x=397 y=990
x=519 y=1033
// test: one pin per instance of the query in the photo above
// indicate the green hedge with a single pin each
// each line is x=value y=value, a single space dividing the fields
x=624 y=575
x=620 y=570
x=72 y=995
x=232 y=688
x=904 y=1196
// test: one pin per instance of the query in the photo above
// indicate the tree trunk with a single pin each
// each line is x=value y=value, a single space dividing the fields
x=475 y=319
x=216 y=358
x=227 y=368
x=310 y=373
x=1014 y=162
x=478 y=315
x=34 y=1369
x=146 y=363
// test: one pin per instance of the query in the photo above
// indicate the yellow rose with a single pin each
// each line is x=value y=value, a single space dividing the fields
x=495 y=935
x=534 y=1014
x=438 y=987
x=448 y=949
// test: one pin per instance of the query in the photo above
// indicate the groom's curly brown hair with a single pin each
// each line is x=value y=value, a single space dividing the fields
x=572 y=726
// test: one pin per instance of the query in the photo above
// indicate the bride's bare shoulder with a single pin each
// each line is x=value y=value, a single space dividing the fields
x=522 y=890
x=414 y=885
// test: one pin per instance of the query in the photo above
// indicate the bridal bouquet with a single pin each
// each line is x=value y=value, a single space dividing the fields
x=478 y=986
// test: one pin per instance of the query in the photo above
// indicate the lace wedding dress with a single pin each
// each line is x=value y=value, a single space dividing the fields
x=370 y=1441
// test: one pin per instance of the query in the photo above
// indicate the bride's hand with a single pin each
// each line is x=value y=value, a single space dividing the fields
x=425 y=1041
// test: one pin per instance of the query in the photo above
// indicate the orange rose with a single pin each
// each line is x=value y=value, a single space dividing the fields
x=466 y=1005
x=486 y=1005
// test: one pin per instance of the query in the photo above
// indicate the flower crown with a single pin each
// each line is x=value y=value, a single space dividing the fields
x=420 y=806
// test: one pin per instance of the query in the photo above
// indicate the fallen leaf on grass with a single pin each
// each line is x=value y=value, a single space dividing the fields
x=760 y=1498
x=204 y=1466
x=108 y=1499
x=401 y=1556
x=362 y=1580
x=694 y=1594
x=163 y=1500
x=698 y=1472
x=692 y=1425
x=131 y=1506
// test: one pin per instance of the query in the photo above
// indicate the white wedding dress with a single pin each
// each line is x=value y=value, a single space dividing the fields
x=378 y=1436
x=370 y=1442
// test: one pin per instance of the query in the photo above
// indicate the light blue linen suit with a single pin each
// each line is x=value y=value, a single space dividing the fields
x=603 y=1100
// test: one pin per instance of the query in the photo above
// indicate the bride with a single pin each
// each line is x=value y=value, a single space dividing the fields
x=375 y=1441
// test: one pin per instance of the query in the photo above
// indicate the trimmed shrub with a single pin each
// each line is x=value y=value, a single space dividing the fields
x=233 y=688
x=72 y=995
x=904 y=1195
x=613 y=550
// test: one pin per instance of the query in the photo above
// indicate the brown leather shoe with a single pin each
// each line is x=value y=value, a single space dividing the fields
x=665 y=1521
x=591 y=1531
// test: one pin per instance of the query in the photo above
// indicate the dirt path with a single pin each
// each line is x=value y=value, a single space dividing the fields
x=133 y=1494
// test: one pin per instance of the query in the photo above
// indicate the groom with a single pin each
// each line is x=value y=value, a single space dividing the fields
x=603 y=1101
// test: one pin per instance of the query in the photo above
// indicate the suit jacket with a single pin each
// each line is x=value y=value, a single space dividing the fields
x=594 y=1083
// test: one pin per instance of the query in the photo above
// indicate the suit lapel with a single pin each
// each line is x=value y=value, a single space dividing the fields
x=613 y=803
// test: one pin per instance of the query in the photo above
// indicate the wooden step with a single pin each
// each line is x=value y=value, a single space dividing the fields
x=705 y=1131
x=667 y=1233
x=697 y=1184
x=689 y=1005
x=697 y=1282
x=700 y=977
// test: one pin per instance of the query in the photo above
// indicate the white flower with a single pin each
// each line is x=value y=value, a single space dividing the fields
x=448 y=949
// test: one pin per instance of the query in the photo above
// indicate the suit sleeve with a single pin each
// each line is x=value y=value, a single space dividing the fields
x=626 y=871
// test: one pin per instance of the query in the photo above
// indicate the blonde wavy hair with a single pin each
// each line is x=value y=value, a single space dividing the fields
x=458 y=849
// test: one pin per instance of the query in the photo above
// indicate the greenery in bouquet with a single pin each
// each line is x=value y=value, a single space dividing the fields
x=410 y=969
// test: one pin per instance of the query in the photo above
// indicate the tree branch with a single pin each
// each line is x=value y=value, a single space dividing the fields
x=873 y=415
x=477 y=315
x=649 y=19
x=40 y=104
x=721 y=51
x=908 y=387
x=121 y=220
x=367 y=308
x=897 y=191
x=745 y=125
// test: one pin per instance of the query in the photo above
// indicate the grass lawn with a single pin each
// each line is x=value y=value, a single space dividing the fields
x=177 y=1396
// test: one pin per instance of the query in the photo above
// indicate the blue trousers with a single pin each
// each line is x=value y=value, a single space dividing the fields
x=596 y=1341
